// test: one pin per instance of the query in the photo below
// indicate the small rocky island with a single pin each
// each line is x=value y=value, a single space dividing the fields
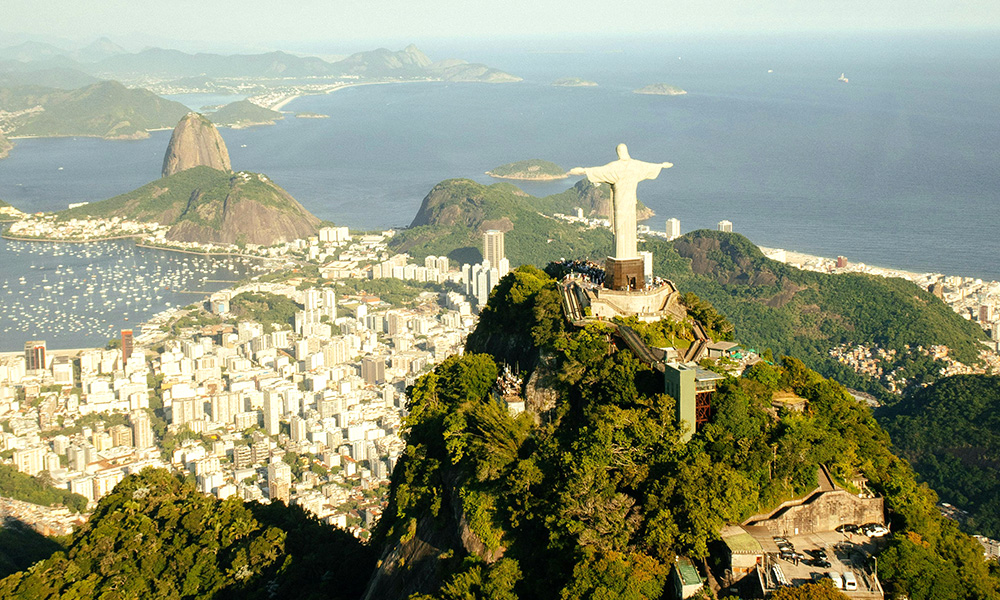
x=660 y=89
x=573 y=82
x=529 y=170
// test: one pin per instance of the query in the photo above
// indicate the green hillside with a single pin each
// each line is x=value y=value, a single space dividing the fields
x=593 y=499
x=456 y=212
x=106 y=109
x=805 y=314
x=19 y=74
x=157 y=538
x=598 y=499
x=243 y=113
x=207 y=205
x=950 y=431
x=164 y=201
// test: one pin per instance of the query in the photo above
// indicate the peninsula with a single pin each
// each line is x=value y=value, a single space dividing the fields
x=244 y=113
x=198 y=200
x=660 y=89
x=534 y=169
x=573 y=82
x=107 y=109
x=5 y=146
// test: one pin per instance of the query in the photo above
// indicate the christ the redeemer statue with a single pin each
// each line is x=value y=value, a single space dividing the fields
x=624 y=176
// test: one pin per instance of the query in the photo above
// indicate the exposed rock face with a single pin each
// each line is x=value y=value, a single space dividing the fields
x=206 y=205
x=596 y=201
x=413 y=564
x=195 y=142
x=254 y=211
x=5 y=146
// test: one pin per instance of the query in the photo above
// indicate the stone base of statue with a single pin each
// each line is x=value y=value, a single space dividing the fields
x=584 y=301
x=624 y=274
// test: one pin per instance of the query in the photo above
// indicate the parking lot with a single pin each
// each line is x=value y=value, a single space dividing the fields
x=844 y=552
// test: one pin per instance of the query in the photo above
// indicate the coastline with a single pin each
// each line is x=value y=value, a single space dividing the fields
x=793 y=258
x=280 y=104
x=205 y=253
x=137 y=245
x=63 y=241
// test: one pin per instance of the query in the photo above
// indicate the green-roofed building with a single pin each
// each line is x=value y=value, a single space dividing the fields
x=687 y=579
x=745 y=550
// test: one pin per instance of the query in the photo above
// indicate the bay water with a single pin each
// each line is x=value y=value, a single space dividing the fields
x=899 y=167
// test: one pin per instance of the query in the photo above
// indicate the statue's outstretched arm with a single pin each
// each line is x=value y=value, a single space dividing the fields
x=578 y=171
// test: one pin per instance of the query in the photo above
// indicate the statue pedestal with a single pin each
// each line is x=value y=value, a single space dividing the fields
x=624 y=274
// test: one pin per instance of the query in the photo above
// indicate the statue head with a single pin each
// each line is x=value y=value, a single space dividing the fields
x=622 y=150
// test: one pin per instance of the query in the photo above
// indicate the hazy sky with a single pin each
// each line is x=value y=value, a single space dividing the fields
x=273 y=23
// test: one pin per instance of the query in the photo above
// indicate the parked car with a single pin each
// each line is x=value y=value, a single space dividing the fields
x=847 y=528
x=875 y=530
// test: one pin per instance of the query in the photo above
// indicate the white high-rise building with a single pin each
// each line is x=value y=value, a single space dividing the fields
x=312 y=299
x=273 y=408
x=30 y=460
x=673 y=229
x=279 y=480
x=647 y=264
x=726 y=226
x=329 y=303
x=299 y=429
x=493 y=249
x=503 y=267
x=142 y=429
x=185 y=410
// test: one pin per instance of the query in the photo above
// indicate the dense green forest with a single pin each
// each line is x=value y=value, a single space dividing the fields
x=596 y=499
x=19 y=486
x=265 y=308
x=592 y=494
x=805 y=314
x=157 y=538
x=950 y=431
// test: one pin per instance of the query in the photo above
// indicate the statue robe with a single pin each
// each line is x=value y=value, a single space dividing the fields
x=624 y=176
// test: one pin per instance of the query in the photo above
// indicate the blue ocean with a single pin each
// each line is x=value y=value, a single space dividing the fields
x=899 y=167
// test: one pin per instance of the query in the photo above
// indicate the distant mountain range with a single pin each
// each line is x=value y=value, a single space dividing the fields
x=106 y=60
x=98 y=50
x=47 y=91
